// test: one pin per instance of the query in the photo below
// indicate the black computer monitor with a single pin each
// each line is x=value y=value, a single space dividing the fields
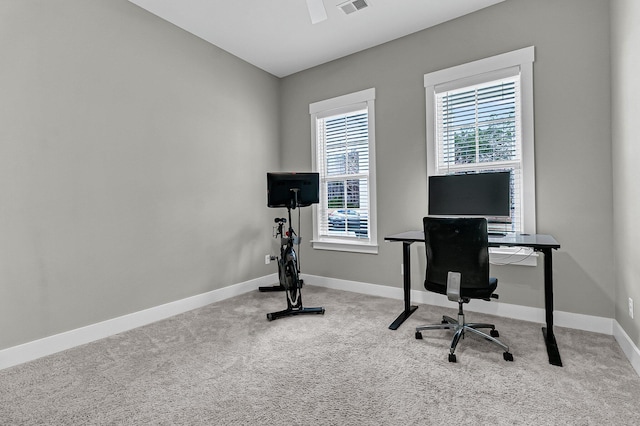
x=473 y=194
x=291 y=189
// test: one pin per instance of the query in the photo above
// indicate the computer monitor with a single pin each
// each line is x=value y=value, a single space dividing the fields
x=473 y=194
x=291 y=189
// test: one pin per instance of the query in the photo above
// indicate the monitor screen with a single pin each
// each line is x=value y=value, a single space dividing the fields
x=285 y=187
x=473 y=194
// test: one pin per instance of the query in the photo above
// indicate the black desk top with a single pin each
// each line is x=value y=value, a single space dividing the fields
x=535 y=241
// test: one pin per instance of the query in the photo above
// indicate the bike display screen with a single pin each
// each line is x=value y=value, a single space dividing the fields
x=292 y=189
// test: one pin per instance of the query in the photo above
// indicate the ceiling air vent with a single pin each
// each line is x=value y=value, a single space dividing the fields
x=353 y=6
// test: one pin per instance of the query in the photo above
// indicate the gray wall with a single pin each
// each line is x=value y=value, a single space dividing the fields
x=625 y=59
x=122 y=139
x=132 y=165
x=572 y=137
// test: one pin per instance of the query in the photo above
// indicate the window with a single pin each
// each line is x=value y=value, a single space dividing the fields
x=342 y=132
x=480 y=119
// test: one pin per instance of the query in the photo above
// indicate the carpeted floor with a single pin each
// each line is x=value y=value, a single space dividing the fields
x=225 y=364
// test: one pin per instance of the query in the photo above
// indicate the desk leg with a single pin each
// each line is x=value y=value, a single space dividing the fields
x=406 y=265
x=547 y=332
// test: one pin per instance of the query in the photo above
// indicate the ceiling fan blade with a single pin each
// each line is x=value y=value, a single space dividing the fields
x=317 y=11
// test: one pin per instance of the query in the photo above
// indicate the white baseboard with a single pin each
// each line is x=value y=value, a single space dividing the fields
x=67 y=340
x=525 y=313
x=591 y=323
x=628 y=347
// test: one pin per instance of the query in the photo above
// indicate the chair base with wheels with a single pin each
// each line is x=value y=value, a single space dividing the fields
x=460 y=327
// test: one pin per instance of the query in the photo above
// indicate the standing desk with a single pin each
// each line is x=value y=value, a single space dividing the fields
x=538 y=242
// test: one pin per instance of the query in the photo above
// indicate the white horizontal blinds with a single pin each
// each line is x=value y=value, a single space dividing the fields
x=478 y=130
x=343 y=153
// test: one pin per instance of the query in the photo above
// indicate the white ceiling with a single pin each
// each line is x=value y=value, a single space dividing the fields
x=278 y=36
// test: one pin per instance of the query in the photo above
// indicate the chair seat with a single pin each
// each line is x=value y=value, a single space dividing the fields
x=470 y=293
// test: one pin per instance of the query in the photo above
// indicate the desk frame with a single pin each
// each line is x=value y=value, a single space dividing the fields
x=538 y=242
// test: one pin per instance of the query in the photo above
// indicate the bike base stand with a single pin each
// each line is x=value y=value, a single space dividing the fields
x=292 y=312
x=271 y=288
x=274 y=288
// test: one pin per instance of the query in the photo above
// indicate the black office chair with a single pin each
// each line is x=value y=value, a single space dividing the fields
x=458 y=266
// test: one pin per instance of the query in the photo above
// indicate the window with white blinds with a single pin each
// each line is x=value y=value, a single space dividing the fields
x=342 y=133
x=478 y=130
x=480 y=119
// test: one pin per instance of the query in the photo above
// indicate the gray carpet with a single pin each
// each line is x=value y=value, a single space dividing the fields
x=225 y=364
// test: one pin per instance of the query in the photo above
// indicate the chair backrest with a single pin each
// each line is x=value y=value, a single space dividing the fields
x=459 y=245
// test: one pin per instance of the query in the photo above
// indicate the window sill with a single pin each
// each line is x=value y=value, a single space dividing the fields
x=518 y=256
x=341 y=245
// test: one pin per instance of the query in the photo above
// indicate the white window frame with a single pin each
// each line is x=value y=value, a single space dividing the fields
x=326 y=108
x=472 y=73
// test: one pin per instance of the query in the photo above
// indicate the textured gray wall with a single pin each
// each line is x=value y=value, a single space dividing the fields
x=625 y=55
x=572 y=136
x=132 y=165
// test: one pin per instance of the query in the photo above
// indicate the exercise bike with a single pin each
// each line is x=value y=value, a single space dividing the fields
x=288 y=271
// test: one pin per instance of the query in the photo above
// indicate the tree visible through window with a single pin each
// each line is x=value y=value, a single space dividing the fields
x=477 y=130
x=480 y=119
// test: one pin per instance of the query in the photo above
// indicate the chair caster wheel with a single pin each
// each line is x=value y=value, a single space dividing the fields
x=270 y=317
x=452 y=357
x=418 y=335
x=494 y=333
x=507 y=356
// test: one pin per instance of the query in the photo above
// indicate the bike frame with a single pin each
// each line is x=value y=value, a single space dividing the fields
x=289 y=274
